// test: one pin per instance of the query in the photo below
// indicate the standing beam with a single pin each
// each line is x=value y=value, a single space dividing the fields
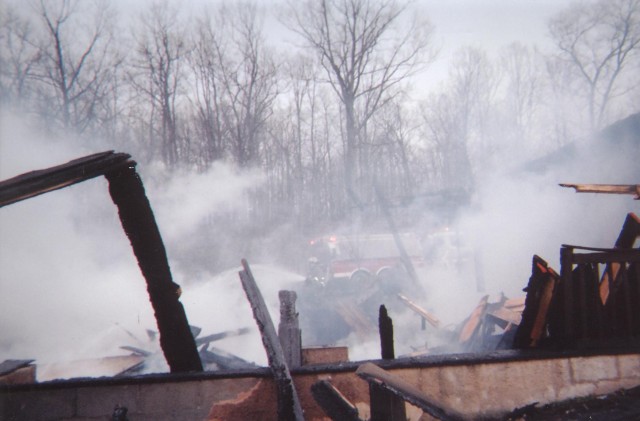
x=289 y=329
x=138 y=221
x=289 y=408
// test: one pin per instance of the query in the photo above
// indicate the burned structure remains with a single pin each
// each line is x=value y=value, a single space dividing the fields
x=521 y=352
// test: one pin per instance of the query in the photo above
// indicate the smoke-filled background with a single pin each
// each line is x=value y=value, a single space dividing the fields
x=253 y=136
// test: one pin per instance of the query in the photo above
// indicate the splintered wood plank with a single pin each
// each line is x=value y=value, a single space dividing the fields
x=474 y=320
x=289 y=407
x=628 y=234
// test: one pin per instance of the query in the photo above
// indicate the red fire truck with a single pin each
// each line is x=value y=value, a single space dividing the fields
x=359 y=258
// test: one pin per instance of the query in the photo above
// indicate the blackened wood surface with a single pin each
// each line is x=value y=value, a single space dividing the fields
x=289 y=407
x=333 y=403
x=386 y=334
x=138 y=221
x=38 y=182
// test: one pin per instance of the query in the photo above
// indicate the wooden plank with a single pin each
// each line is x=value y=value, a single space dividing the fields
x=138 y=222
x=38 y=182
x=471 y=325
x=633 y=189
x=626 y=239
x=408 y=392
x=289 y=407
x=433 y=320
x=546 y=295
x=333 y=403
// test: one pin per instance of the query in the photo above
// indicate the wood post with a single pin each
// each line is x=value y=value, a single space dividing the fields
x=289 y=329
x=386 y=334
x=138 y=221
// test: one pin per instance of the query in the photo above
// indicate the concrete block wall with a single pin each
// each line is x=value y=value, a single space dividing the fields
x=488 y=388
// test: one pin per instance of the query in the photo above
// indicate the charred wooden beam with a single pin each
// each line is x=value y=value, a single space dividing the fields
x=289 y=329
x=38 y=182
x=333 y=403
x=385 y=325
x=138 y=221
x=540 y=292
x=633 y=189
x=289 y=407
x=406 y=391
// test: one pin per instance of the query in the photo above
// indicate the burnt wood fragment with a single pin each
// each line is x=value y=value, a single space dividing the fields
x=138 y=222
x=333 y=403
x=289 y=407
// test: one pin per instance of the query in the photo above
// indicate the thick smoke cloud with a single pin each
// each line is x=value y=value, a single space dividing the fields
x=71 y=287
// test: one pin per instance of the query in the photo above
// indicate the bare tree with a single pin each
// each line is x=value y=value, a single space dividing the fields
x=598 y=41
x=367 y=48
x=249 y=83
x=208 y=61
x=158 y=74
x=523 y=94
x=76 y=59
x=19 y=56
x=457 y=119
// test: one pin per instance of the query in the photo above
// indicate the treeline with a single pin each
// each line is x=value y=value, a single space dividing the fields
x=334 y=113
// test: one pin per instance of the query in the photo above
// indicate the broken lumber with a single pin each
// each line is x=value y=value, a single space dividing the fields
x=626 y=239
x=633 y=189
x=408 y=392
x=333 y=403
x=289 y=408
x=540 y=292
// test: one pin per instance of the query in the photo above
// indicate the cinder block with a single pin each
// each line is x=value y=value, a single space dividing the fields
x=576 y=390
x=168 y=398
x=593 y=369
x=40 y=406
x=101 y=401
x=629 y=366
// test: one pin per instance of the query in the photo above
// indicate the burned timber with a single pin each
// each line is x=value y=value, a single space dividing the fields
x=576 y=334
